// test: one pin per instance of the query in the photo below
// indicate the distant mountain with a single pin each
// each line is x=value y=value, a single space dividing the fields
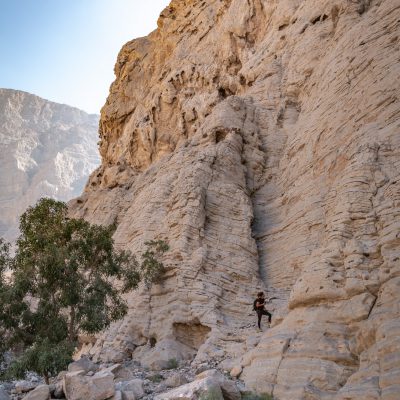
x=46 y=149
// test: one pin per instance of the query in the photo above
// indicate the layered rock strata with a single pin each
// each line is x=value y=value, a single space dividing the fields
x=46 y=150
x=261 y=140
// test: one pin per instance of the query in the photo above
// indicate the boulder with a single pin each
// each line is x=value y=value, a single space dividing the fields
x=61 y=375
x=228 y=387
x=165 y=354
x=123 y=374
x=4 y=395
x=128 y=396
x=77 y=386
x=57 y=390
x=83 y=364
x=134 y=386
x=117 y=395
x=194 y=391
x=201 y=368
x=42 y=392
x=175 y=380
x=113 y=368
x=210 y=382
x=120 y=372
x=236 y=371
x=24 y=386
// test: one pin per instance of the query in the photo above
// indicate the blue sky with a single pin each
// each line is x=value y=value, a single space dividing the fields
x=65 y=50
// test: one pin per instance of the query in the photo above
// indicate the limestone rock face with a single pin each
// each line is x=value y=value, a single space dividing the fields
x=261 y=139
x=46 y=150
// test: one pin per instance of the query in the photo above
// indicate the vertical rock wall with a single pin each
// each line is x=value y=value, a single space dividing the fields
x=261 y=140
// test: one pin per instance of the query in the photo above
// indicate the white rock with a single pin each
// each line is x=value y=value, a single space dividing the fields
x=117 y=395
x=194 y=391
x=113 y=369
x=176 y=379
x=166 y=354
x=58 y=392
x=228 y=387
x=42 y=392
x=83 y=364
x=77 y=386
x=134 y=386
x=236 y=371
x=3 y=394
x=24 y=386
x=211 y=382
x=128 y=395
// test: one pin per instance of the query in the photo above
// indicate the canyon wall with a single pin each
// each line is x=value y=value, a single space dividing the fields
x=46 y=150
x=261 y=140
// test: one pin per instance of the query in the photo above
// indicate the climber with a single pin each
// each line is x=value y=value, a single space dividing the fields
x=258 y=306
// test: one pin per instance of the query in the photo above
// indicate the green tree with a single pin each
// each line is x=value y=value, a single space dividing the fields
x=67 y=278
x=151 y=269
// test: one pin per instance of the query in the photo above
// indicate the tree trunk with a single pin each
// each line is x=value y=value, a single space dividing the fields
x=71 y=330
x=46 y=379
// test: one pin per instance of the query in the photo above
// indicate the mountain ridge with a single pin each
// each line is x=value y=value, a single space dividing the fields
x=11 y=90
x=46 y=149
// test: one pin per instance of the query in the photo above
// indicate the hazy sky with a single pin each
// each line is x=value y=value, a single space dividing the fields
x=65 y=50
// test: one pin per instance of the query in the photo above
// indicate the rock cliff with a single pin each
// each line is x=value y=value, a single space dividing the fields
x=46 y=149
x=260 y=138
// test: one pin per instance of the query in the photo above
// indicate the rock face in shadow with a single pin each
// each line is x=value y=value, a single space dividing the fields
x=261 y=140
x=46 y=150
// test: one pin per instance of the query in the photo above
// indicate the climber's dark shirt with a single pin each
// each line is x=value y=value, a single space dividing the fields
x=260 y=303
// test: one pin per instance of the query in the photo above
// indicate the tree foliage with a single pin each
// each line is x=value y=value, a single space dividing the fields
x=5 y=265
x=151 y=269
x=67 y=278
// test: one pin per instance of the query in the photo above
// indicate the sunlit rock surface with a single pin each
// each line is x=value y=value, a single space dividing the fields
x=46 y=150
x=261 y=140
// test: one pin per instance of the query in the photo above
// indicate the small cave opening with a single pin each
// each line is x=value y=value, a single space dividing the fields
x=319 y=18
x=224 y=92
x=192 y=334
x=220 y=135
x=152 y=342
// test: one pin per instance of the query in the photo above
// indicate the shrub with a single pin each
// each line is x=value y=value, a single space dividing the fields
x=151 y=269
x=172 y=363
x=214 y=393
x=156 y=378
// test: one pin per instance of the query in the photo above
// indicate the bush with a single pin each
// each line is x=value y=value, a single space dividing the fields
x=151 y=270
x=5 y=265
x=214 y=393
x=43 y=358
x=156 y=378
x=172 y=363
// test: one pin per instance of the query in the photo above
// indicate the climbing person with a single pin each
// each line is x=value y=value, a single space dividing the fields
x=259 y=304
